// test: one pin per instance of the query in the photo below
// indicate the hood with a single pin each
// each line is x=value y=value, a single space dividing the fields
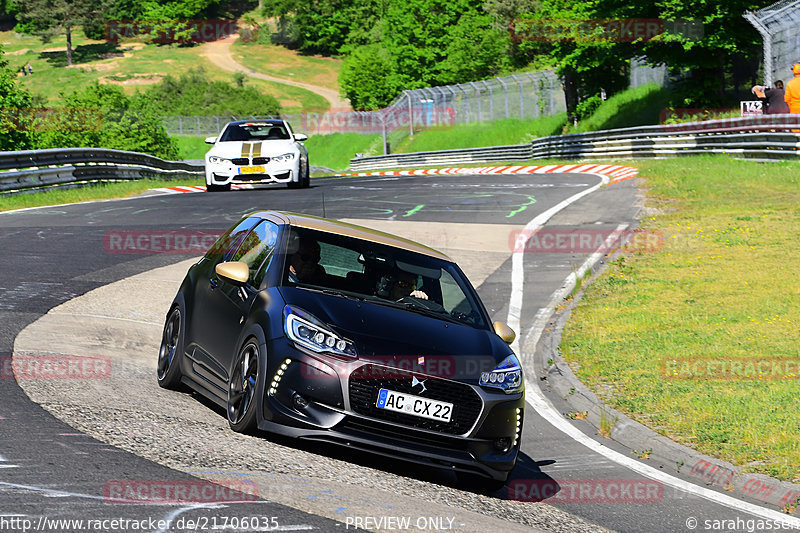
x=384 y=334
x=231 y=149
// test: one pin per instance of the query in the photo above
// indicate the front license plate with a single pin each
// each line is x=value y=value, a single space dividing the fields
x=251 y=170
x=414 y=405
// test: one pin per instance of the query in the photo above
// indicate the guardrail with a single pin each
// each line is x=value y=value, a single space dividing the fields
x=770 y=137
x=32 y=169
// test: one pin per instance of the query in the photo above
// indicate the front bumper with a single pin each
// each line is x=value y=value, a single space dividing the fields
x=328 y=400
x=228 y=173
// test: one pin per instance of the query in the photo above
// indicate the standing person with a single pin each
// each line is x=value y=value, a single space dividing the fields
x=775 y=97
x=30 y=70
x=24 y=72
x=792 y=95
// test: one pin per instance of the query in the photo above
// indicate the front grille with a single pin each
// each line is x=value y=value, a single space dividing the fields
x=240 y=161
x=260 y=160
x=366 y=381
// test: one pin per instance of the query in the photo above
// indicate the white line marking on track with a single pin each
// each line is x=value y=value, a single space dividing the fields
x=536 y=399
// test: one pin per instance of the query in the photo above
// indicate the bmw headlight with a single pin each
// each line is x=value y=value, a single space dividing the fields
x=506 y=376
x=217 y=160
x=283 y=158
x=309 y=332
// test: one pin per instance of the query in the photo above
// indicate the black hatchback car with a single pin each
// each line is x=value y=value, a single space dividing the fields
x=336 y=333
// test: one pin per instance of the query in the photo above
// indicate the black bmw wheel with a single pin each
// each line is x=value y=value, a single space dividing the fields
x=169 y=368
x=242 y=389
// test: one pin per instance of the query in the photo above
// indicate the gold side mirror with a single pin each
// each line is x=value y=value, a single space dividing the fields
x=504 y=332
x=234 y=272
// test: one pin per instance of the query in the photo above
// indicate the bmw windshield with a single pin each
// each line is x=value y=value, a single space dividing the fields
x=381 y=274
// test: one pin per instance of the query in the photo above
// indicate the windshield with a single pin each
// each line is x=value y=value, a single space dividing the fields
x=255 y=131
x=381 y=274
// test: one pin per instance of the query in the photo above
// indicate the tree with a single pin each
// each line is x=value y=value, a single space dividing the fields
x=14 y=104
x=50 y=18
x=476 y=50
x=368 y=78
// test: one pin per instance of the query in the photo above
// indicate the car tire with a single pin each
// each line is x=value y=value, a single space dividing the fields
x=243 y=386
x=304 y=181
x=170 y=353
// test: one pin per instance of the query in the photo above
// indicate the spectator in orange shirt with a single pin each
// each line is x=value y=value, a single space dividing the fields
x=792 y=95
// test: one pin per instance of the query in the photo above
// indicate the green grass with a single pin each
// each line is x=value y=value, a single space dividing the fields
x=92 y=192
x=497 y=133
x=633 y=107
x=335 y=150
x=132 y=65
x=722 y=288
x=192 y=147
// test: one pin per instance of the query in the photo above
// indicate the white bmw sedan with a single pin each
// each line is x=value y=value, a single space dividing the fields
x=257 y=151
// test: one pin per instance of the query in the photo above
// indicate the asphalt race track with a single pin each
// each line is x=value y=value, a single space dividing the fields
x=51 y=471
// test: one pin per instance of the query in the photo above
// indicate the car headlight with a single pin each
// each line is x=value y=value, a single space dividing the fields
x=283 y=158
x=506 y=376
x=309 y=332
x=216 y=160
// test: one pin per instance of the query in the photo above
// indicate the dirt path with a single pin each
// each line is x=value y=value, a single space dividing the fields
x=219 y=53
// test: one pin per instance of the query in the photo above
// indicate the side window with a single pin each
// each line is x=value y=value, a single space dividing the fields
x=256 y=250
x=230 y=240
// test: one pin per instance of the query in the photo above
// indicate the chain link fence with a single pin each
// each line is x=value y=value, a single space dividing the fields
x=778 y=25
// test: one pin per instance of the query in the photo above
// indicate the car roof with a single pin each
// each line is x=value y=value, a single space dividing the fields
x=271 y=121
x=352 y=230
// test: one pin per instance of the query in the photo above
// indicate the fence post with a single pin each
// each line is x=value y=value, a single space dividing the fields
x=505 y=95
x=491 y=101
x=478 y=92
x=180 y=125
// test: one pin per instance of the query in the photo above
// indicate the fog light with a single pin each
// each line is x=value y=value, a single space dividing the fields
x=299 y=401
x=502 y=444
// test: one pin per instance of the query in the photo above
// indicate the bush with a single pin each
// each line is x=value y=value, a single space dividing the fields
x=194 y=94
x=101 y=116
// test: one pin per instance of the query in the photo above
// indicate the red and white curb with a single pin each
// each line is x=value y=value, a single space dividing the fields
x=616 y=172
x=191 y=188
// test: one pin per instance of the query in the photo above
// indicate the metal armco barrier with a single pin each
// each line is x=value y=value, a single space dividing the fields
x=771 y=137
x=53 y=167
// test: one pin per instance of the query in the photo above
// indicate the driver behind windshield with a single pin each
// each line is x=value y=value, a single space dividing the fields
x=405 y=284
x=304 y=263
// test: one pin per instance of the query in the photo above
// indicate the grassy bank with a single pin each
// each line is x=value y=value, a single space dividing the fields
x=477 y=135
x=106 y=191
x=722 y=289
x=633 y=107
